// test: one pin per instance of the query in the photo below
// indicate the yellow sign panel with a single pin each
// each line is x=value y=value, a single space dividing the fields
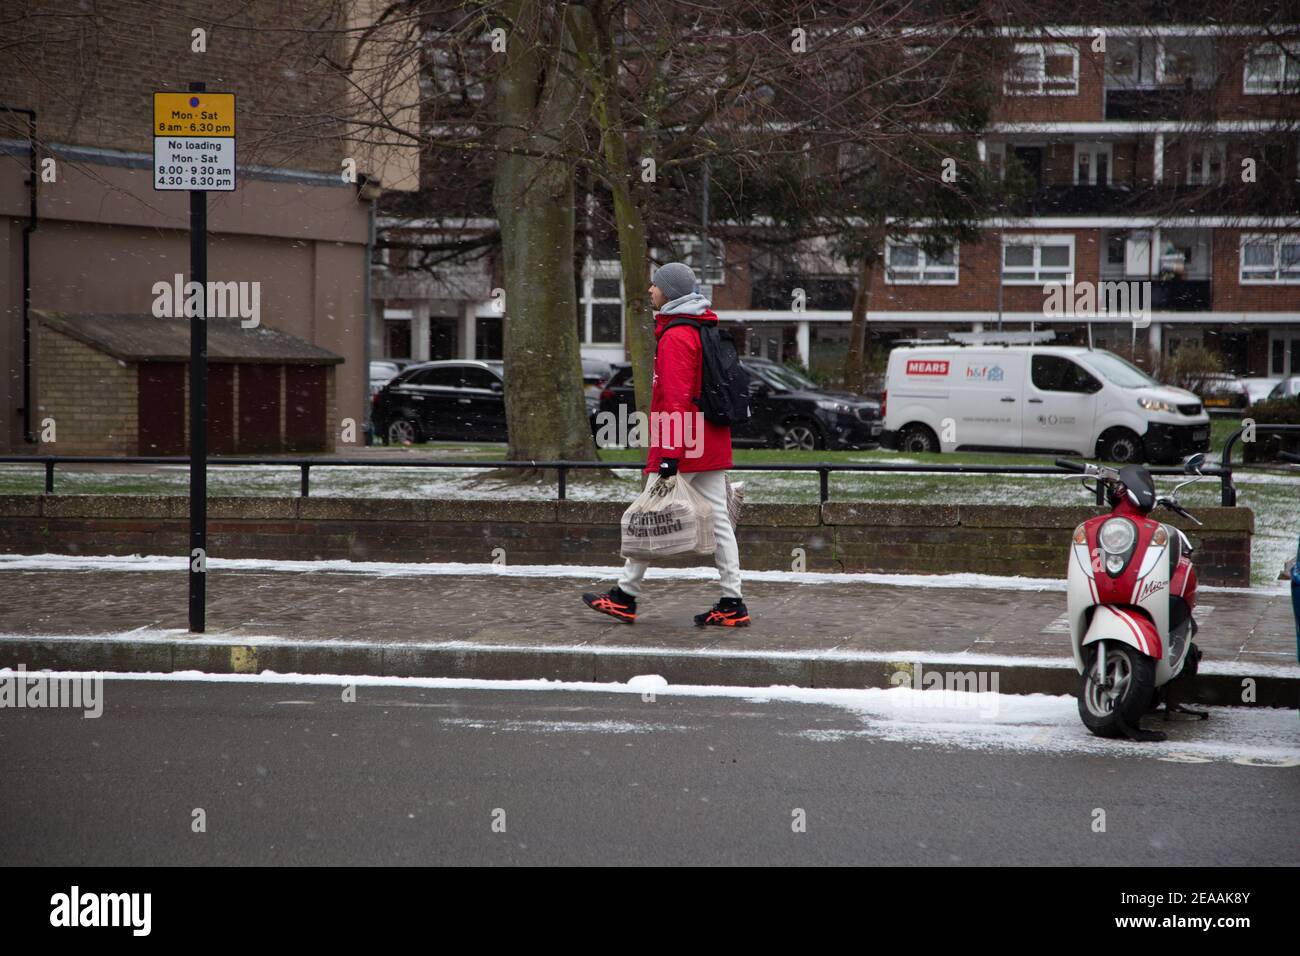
x=194 y=114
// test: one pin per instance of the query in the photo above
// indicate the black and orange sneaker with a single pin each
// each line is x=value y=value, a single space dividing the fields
x=616 y=604
x=728 y=612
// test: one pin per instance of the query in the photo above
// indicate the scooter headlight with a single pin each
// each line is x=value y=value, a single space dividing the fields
x=1117 y=537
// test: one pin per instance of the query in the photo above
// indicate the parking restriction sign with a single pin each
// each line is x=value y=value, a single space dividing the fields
x=194 y=141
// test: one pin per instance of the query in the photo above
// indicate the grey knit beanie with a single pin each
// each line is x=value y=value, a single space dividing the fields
x=674 y=279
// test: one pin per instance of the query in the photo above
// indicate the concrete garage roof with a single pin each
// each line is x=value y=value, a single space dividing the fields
x=137 y=337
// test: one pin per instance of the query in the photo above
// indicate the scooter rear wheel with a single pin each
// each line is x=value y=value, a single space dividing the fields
x=1131 y=676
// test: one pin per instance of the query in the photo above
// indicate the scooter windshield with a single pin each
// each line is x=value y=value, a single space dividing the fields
x=1138 y=481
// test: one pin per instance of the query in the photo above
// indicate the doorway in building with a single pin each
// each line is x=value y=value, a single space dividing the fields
x=487 y=338
x=1284 y=352
x=1233 y=348
x=398 y=338
x=1031 y=159
x=442 y=338
x=768 y=343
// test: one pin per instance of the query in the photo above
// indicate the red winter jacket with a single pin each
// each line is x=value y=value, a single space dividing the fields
x=679 y=371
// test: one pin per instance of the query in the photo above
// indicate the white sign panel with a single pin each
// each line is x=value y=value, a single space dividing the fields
x=193 y=162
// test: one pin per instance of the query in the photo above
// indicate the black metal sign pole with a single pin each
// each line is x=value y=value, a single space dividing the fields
x=198 y=406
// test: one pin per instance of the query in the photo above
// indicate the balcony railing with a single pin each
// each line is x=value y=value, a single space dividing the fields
x=1181 y=295
x=1172 y=103
x=1278 y=196
x=777 y=293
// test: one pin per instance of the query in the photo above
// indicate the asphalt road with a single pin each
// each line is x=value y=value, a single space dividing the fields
x=291 y=774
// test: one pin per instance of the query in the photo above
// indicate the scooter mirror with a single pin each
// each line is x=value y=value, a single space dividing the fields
x=1192 y=463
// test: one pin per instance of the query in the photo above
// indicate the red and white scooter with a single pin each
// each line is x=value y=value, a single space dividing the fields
x=1131 y=592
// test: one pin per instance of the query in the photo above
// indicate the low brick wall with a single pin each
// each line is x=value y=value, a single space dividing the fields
x=861 y=536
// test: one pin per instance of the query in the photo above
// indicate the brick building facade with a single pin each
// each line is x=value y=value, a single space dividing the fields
x=1164 y=155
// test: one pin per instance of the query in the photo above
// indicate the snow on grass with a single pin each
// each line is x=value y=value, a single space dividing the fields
x=1273 y=496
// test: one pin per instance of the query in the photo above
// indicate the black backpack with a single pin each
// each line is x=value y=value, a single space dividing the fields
x=724 y=384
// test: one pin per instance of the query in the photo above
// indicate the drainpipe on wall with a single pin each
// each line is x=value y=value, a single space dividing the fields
x=368 y=189
x=28 y=229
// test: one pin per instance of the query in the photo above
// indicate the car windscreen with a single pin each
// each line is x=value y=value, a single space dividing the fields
x=1114 y=369
x=782 y=377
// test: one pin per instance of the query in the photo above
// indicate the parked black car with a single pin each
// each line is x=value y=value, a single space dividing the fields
x=457 y=401
x=789 y=410
x=445 y=401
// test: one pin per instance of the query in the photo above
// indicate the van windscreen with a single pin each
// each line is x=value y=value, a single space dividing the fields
x=1115 y=369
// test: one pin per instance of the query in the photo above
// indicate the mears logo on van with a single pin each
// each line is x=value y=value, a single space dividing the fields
x=927 y=367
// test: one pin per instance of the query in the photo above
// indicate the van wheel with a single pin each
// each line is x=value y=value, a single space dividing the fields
x=799 y=435
x=916 y=439
x=1121 y=446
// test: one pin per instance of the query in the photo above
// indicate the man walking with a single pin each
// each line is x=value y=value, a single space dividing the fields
x=678 y=377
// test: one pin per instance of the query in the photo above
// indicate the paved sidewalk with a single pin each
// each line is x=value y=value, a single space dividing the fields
x=494 y=625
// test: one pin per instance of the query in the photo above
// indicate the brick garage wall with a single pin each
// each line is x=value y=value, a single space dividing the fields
x=832 y=537
x=90 y=395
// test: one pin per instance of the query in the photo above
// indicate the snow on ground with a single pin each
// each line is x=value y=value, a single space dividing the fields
x=930 y=658
x=1035 y=723
x=175 y=563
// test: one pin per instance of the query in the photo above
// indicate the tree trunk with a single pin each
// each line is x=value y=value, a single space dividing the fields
x=855 y=358
x=546 y=414
x=599 y=54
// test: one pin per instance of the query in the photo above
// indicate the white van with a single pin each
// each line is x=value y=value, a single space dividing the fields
x=1047 y=399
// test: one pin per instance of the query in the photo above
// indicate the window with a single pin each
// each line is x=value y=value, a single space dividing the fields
x=480 y=378
x=906 y=263
x=1116 y=243
x=996 y=157
x=1035 y=260
x=1092 y=164
x=443 y=376
x=600 y=313
x=1122 y=59
x=1043 y=69
x=687 y=249
x=1053 y=373
x=456 y=73
x=1272 y=68
x=1205 y=164
x=1284 y=358
x=1185 y=60
x=1270 y=259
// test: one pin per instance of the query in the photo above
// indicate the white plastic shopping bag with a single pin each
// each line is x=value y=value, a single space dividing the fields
x=735 y=500
x=668 y=518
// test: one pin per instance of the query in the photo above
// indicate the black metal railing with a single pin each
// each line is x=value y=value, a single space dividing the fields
x=1229 y=490
x=822 y=470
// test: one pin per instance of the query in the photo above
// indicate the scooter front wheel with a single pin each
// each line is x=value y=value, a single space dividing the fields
x=1118 y=698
